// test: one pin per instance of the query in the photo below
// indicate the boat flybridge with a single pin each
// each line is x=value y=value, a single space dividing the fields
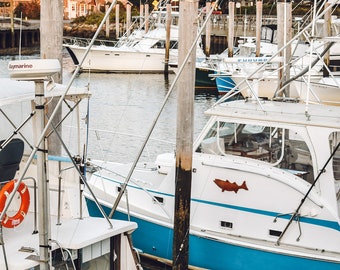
x=44 y=220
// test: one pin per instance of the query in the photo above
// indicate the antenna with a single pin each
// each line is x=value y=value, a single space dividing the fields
x=34 y=69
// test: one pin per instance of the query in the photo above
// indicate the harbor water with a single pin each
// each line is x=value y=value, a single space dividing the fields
x=122 y=109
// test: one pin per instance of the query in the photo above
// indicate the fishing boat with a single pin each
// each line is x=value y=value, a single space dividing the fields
x=139 y=52
x=305 y=64
x=262 y=74
x=229 y=71
x=265 y=183
x=264 y=194
x=142 y=51
x=45 y=223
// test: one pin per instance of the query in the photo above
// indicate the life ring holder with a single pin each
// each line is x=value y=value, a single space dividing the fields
x=12 y=221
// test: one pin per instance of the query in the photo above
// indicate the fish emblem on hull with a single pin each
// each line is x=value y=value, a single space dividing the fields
x=228 y=186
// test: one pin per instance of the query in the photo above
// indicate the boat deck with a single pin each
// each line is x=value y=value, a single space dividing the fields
x=92 y=235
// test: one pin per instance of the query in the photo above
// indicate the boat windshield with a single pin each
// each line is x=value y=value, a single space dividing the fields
x=280 y=147
x=161 y=44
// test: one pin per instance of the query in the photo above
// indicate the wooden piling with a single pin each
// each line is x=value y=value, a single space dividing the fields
x=146 y=18
x=117 y=21
x=184 y=137
x=107 y=23
x=231 y=20
x=207 y=29
x=258 y=26
x=128 y=18
x=167 y=41
x=284 y=30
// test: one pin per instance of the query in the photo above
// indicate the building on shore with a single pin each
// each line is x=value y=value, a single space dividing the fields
x=72 y=8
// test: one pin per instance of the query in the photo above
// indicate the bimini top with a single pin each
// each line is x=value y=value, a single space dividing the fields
x=280 y=112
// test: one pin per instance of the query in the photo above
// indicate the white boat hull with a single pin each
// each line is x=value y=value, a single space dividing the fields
x=106 y=59
x=243 y=194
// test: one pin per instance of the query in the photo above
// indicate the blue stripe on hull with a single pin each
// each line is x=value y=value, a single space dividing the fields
x=224 y=84
x=207 y=253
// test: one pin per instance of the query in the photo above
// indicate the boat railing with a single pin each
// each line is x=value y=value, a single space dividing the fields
x=107 y=144
x=308 y=71
x=284 y=80
x=84 y=42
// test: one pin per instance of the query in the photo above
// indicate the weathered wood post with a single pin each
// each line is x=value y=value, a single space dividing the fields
x=207 y=29
x=167 y=40
x=128 y=18
x=117 y=21
x=327 y=33
x=51 y=45
x=258 y=26
x=146 y=18
x=141 y=15
x=107 y=22
x=51 y=41
x=231 y=21
x=284 y=30
x=12 y=23
x=184 y=138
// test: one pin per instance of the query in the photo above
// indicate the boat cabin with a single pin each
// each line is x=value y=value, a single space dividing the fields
x=277 y=135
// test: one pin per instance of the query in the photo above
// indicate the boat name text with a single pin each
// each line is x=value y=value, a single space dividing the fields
x=20 y=66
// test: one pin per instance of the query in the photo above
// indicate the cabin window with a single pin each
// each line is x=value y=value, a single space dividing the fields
x=334 y=140
x=173 y=44
x=280 y=147
x=160 y=44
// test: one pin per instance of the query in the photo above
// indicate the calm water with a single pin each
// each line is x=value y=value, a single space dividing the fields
x=122 y=109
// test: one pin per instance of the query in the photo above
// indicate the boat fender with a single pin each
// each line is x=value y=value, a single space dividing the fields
x=12 y=221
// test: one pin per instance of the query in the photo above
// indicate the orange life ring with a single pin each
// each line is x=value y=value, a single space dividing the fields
x=11 y=222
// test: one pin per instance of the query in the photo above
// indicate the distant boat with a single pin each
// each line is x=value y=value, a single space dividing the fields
x=306 y=79
x=266 y=79
x=225 y=67
x=203 y=78
x=139 y=52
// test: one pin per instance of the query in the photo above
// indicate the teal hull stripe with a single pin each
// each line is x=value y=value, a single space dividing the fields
x=208 y=253
x=319 y=222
